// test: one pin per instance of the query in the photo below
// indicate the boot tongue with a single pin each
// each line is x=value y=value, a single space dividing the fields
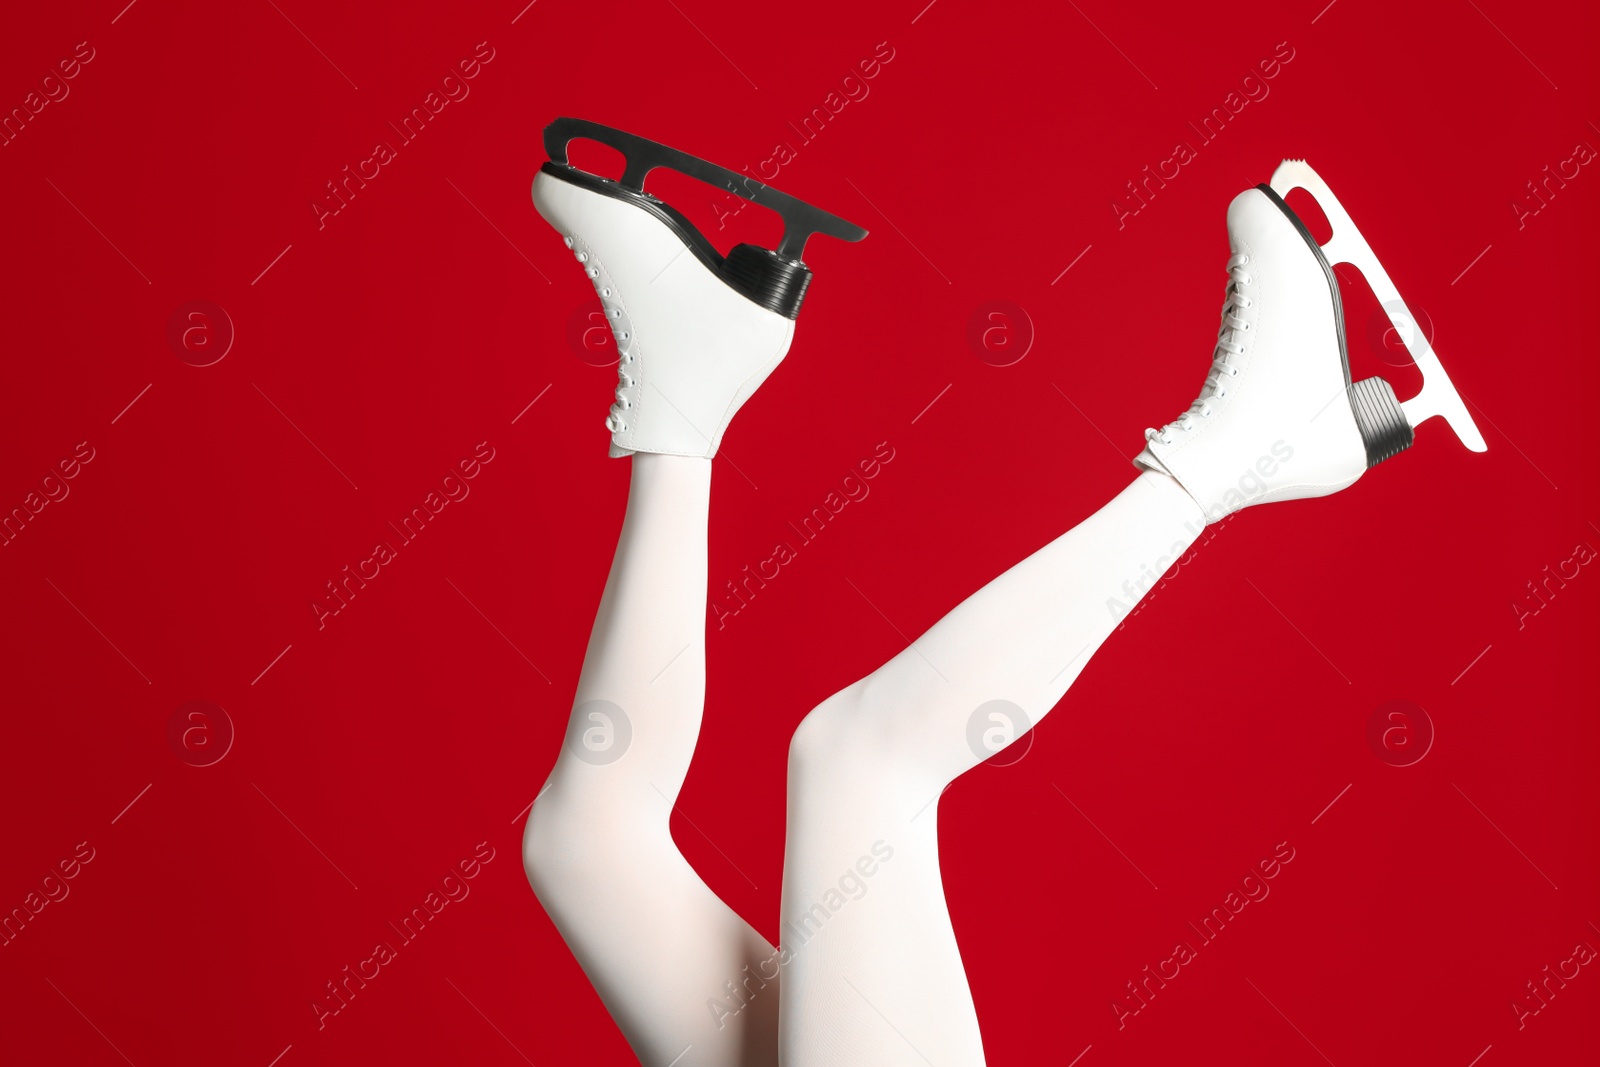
x=1147 y=460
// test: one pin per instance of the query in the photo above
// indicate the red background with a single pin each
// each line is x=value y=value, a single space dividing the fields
x=377 y=752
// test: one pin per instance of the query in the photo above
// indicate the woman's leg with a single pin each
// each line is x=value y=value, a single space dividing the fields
x=686 y=979
x=871 y=973
x=656 y=942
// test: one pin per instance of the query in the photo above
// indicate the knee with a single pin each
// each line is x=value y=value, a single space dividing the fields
x=838 y=734
x=544 y=848
x=866 y=733
x=574 y=837
x=815 y=739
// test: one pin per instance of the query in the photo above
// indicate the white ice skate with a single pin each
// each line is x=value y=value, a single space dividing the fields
x=1279 y=418
x=697 y=333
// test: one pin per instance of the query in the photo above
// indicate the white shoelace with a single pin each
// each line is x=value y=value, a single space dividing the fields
x=1228 y=344
x=614 y=420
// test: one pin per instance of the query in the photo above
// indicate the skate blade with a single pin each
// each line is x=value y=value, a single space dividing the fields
x=1438 y=395
x=800 y=219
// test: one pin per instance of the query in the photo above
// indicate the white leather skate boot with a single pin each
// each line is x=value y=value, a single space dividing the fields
x=1278 y=417
x=696 y=332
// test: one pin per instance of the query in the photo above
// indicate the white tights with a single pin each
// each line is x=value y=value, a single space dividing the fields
x=868 y=972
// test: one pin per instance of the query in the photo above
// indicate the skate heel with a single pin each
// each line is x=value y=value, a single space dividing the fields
x=1438 y=395
x=775 y=279
x=1385 y=429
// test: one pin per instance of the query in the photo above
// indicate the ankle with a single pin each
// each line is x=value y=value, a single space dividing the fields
x=1171 y=494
